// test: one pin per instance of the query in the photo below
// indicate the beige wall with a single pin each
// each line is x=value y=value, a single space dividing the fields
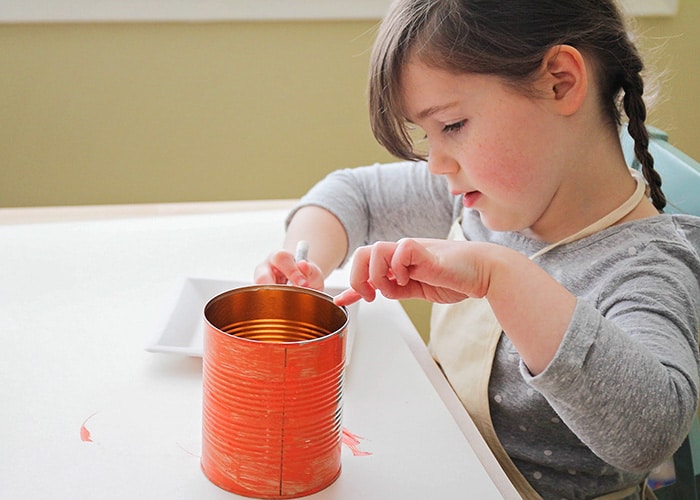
x=122 y=113
x=676 y=55
x=134 y=113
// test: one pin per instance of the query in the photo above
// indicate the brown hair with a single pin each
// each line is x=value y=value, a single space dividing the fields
x=509 y=39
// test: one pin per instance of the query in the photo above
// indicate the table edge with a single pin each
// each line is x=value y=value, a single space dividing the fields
x=76 y=213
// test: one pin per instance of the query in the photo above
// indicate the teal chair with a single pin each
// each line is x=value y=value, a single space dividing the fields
x=679 y=172
x=680 y=176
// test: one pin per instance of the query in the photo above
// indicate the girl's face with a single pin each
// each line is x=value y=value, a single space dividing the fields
x=496 y=147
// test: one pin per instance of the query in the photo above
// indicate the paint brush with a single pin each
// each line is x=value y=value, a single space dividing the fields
x=302 y=250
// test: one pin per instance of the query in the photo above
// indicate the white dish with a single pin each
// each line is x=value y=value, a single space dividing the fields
x=182 y=325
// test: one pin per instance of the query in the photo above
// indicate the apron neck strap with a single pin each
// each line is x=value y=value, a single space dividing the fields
x=606 y=221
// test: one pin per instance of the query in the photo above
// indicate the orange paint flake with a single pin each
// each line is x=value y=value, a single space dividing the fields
x=84 y=432
x=352 y=441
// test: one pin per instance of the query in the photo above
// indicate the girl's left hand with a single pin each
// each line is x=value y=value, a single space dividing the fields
x=430 y=269
x=281 y=267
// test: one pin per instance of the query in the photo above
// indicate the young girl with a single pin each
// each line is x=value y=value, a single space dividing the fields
x=567 y=307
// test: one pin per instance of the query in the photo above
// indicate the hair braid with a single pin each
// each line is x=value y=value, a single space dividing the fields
x=636 y=111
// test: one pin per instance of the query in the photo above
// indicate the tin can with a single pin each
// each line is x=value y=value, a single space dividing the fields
x=273 y=367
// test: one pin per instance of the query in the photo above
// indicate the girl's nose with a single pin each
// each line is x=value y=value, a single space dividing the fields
x=440 y=163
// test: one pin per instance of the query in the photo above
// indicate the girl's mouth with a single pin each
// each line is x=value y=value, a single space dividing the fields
x=470 y=198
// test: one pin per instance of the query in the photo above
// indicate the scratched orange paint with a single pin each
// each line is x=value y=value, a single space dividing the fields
x=352 y=441
x=272 y=379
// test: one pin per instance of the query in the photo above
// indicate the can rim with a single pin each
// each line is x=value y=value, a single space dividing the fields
x=286 y=288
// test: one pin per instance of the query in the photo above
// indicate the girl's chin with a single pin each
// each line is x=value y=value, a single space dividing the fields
x=495 y=224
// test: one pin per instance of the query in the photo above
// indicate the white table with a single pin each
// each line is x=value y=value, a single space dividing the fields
x=87 y=413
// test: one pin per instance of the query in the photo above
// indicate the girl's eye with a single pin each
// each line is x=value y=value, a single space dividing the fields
x=454 y=127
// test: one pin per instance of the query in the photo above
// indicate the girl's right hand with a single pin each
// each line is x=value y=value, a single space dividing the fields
x=435 y=270
x=282 y=268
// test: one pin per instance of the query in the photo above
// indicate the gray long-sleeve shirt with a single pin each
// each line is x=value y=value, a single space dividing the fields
x=622 y=390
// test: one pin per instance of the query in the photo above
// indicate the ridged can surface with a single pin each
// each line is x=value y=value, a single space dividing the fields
x=274 y=359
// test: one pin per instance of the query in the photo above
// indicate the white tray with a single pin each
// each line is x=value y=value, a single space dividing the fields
x=181 y=328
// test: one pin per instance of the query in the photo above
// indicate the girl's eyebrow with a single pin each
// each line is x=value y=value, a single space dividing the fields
x=427 y=112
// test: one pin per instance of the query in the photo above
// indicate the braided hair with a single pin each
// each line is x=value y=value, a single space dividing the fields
x=509 y=39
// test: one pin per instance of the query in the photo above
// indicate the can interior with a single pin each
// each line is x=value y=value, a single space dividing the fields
x=275 y=313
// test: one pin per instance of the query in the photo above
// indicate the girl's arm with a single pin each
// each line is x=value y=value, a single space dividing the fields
x=328 y=245
x=328 y=242
x=531 y=306
x=353 y=207
x=621 y=370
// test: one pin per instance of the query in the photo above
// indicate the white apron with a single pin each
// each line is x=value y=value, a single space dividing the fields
x=466 y=354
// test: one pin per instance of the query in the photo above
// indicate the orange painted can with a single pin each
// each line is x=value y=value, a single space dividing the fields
x=274 y=358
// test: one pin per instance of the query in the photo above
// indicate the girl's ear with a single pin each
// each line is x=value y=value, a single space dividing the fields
x=565 y=78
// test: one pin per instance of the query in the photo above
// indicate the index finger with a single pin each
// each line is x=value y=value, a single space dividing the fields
x=347 y=297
